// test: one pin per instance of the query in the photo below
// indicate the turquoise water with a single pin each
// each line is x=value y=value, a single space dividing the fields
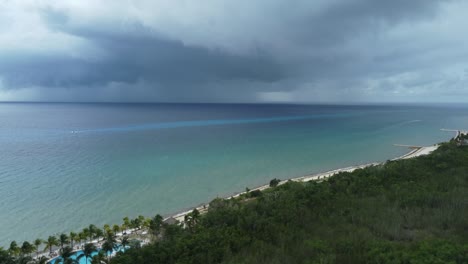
x=65 y=166
x=75 y=256
x=83 y=259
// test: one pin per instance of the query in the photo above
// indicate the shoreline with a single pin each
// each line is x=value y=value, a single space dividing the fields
x=203 y=208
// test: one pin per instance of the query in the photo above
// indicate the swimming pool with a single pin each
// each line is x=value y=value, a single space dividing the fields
x=83 y=259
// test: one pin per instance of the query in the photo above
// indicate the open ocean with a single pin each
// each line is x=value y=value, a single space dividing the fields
x=65 y=166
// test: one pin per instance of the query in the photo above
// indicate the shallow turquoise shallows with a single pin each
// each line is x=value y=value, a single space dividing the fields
x=65 y=166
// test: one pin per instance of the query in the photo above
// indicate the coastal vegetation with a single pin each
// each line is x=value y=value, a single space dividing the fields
x=405 y=211
x=92 y=243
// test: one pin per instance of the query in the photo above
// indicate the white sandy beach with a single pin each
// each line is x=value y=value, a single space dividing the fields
x=313 y=177
x=420 y=151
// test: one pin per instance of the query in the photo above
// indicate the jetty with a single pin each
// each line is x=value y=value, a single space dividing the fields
x=458 y=132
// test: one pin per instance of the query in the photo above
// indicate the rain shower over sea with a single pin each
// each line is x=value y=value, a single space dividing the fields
x=65 y=166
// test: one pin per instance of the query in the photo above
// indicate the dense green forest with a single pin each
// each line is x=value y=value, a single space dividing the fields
x=407 y=211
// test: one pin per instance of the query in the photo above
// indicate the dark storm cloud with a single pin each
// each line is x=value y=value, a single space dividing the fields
x=152 y=59
x=134 y=56
x=305 y=51
x=346 y=19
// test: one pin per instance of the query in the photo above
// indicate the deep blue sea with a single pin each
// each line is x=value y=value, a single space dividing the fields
x=64 y=166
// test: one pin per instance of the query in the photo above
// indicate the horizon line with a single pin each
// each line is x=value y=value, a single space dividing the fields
x=240 y=103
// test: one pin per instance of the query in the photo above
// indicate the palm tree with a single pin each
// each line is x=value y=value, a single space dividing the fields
x=136 y=224
x=41 y=260
x=98 y=234
x=110 y=244
x=37 y=243
x=107 y=248
x=82 y=236
x=99 y=258
x=14 y=250
x=124 y=241
x=106 y=228
x=63 y=240
x=156 y=225
x=141 y=221
x=116 y=229
x=72 y=238
x=92 y=231
x=66 y=253
x=27 y=248
x=78 y=238
x=87 y=251
x=50 y=243
x=87 y=234
x=126 y=223
x=147 y=223
x=191 y=219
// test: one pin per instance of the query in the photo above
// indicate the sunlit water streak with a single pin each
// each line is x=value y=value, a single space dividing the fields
x=199 y=123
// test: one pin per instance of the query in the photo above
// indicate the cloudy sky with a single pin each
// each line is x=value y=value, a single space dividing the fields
x=234 y=51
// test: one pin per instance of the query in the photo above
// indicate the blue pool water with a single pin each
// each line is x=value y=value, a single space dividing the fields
x=83 y=259
x=75 y=256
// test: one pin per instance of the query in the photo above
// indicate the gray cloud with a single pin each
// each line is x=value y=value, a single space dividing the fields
x=305 y=51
